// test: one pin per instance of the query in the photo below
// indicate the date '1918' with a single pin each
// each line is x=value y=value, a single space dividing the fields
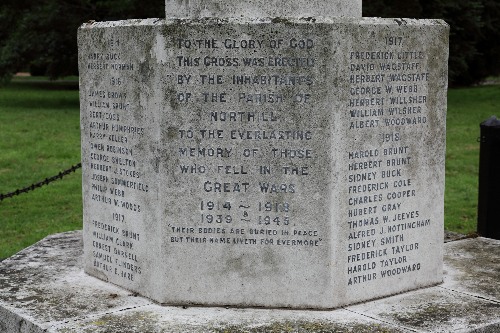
x=390 y=137
x=274 y=207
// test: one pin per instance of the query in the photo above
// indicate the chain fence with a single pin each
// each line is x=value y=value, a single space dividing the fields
x=44 y=182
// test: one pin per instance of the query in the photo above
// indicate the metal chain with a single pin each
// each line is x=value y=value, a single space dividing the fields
x=47 y=181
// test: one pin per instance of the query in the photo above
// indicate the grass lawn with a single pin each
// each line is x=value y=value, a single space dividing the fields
x=467 y=108
x=40 y=136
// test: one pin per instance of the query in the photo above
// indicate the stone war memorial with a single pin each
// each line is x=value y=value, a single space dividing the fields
x=259 y=166
x=264 y=153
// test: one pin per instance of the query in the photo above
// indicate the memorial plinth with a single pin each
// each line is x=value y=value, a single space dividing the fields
x=272 y=162
x=43 y=290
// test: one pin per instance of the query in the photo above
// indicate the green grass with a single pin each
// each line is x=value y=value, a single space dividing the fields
x=40 y=136
x=467 y=108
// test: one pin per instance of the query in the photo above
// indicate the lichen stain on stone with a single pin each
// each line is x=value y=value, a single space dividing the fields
x=129 y=322
x=170 y=96
x=281 y=20
x=306 y=327
x=172 y=133
x=479 y=264
x=235 y=264
x=170 y=30
x=308 y=19
x=426 y=315
x=156 y=164
x=144 y=71
x=492 y=305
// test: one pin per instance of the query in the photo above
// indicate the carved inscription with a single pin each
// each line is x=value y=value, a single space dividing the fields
x=387 y=96
x=249 y=156
x=115 y=174
x=258 y=149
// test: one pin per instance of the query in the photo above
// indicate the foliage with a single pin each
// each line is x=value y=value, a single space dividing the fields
x=474 y=33
x=41 y=35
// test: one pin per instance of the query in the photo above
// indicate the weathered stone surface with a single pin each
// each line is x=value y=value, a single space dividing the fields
x=286 y=163
x=44 y=285
x=160 y=319
x=469 y=259
x=450 y=236
x=262 y=8
x=43 y=289
x=435 y=310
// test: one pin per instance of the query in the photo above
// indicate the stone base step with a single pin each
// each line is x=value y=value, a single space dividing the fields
x=44 y=289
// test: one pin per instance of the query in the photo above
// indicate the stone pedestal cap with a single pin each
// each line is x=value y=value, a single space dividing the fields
x=261 y=8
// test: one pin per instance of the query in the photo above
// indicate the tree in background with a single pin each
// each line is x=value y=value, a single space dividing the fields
x=487 y=59
x=474 y=32
x=41 y=35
